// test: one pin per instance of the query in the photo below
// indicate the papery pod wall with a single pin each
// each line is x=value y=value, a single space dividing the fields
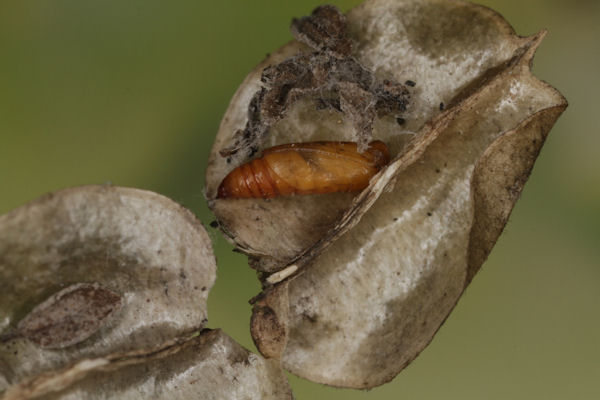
x=102 y=293
x=356 y=287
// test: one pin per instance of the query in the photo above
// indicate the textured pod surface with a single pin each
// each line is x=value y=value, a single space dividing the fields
x=141 y=246
x=210 y=366
x=360 y=304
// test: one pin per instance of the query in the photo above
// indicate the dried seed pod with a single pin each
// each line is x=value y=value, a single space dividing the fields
x=132 y=334
x=359 y=303
x=305 y=168
x=109 y=247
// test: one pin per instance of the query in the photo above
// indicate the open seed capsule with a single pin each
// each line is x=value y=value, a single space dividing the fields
x=359 y=285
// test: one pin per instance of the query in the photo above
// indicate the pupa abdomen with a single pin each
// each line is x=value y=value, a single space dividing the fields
x=305 y=168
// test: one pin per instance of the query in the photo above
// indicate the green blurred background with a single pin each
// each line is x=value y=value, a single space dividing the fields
x=131 y=92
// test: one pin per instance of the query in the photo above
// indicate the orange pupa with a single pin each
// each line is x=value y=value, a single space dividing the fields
x=306 y=168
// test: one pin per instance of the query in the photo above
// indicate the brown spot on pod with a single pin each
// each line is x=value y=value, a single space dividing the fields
x=70 y=316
